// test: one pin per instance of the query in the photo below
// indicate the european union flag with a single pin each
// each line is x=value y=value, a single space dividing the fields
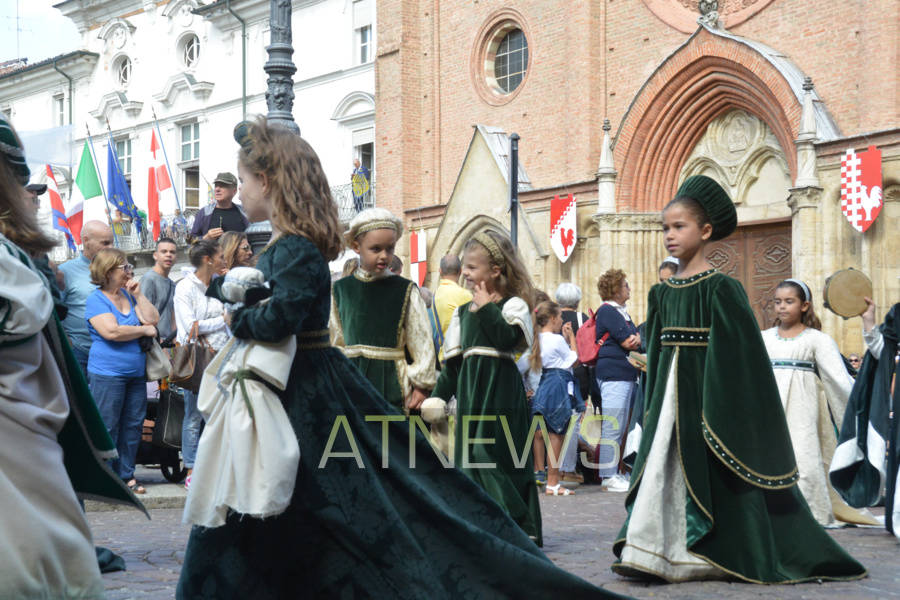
x=118 y=194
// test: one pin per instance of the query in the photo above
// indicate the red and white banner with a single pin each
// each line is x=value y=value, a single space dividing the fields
x=418 y=267
x=861 y=187
x=160 y=193
x=563 y=226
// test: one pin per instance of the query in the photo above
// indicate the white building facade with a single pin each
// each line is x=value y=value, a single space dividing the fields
x=184 y=60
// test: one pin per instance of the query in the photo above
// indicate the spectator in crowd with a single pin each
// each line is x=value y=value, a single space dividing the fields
x=117 y=315
x=668 y=268
x=396 y=265
x=236 y=250
x=95 y=236
x=34 y=193
x=568 y=296
x=854 y=360
x=615 y=376
x=192 y=305
x=359 y=184
x=449 y=295
x=222 y=215
x=159 y=289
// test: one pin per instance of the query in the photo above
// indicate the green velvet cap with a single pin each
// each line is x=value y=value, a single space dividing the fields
x=715 y=201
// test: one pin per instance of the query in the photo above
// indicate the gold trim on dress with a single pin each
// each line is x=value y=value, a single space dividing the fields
x=694 y=280
x=740 y=469
x=374 y=352
x=367 y=277
x=487 y=351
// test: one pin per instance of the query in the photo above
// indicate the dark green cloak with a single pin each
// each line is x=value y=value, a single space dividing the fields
x=744 y=512
x=867 y=458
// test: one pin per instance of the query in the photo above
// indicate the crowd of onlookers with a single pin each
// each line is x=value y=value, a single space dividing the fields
x=113 y=317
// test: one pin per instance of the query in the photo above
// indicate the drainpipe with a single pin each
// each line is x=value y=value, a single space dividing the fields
x=71 y=87
x=243 y=59
x=70 y=178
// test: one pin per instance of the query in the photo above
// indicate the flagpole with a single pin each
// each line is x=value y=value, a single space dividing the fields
x=166 y=156
x=100 y=181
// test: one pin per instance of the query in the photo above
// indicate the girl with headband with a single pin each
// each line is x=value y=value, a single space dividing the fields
x=481 y=346
x=814 y=386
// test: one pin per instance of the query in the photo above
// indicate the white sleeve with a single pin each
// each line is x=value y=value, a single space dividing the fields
x=421 y=373
x=874 y=341
x=516 y=312
x=835 y=379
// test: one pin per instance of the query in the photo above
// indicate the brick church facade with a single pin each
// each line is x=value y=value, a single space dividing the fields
x=763 y=96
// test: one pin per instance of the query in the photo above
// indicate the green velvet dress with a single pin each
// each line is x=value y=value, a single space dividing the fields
x=369 y=322
x=355 y=528
x=714 y=488
x=493 y=418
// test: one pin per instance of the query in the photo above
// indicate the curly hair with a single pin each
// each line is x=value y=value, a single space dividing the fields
x=610 y=283
x=103 y=264
x=298 y=189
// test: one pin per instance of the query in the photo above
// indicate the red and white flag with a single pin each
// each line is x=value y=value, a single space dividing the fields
x=418 y=267
x=160 y=193
x=563 y=226
x=861 y=187
x=60 y=219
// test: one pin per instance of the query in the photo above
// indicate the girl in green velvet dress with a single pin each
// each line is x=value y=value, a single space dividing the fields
x=491 y=436
x=354 y=528
x=714 y=492
x=379 y=319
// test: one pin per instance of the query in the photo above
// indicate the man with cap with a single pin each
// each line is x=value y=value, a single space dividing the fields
x=35 y=190
x=215 y=219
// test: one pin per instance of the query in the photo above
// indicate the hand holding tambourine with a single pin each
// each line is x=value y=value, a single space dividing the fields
x=846 y=292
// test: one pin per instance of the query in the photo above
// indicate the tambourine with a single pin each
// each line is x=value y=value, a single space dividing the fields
x=845 y=293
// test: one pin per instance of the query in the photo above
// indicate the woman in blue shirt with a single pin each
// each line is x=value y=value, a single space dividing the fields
x=117 y=315
x=615 y=375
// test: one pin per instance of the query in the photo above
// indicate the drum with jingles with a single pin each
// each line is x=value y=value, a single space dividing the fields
x=845 y=292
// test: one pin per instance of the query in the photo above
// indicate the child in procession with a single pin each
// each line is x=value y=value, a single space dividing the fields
x=714 y=493
x=814 y=386
x=480 y=351
x=363 y=521
x=378 y=318
x=558 y=394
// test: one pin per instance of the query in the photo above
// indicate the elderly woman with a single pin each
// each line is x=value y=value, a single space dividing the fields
x=614 y=374
x=117 y=316
x=192 y=305
x=236 y=250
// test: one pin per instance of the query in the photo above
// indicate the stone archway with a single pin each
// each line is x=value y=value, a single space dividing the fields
x=712 y=73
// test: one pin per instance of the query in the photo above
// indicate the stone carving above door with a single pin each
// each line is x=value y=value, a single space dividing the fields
x=682 y=14
x=742 y=153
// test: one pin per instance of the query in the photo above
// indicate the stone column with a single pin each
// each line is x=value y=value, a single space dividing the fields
x=806 y=243
x=606 y=175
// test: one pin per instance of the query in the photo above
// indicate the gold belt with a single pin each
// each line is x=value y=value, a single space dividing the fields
x=374 y=352
x=488 y=351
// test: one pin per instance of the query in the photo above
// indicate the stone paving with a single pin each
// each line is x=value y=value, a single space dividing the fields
x=578 y=534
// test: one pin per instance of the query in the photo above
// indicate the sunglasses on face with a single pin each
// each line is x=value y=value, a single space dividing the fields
x=127 y=267
x=244 y=248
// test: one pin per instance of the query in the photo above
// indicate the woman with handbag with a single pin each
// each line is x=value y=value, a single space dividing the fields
x=118 y=316
x=199 y=320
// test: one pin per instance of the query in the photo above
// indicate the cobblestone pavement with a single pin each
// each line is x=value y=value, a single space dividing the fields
x=578 y=534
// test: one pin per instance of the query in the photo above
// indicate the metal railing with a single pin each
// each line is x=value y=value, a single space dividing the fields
x=349 y=203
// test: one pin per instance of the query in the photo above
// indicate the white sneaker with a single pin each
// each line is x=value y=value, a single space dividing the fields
x=616 y=483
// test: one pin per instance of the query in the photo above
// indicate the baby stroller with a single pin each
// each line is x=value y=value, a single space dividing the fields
x=161 y=436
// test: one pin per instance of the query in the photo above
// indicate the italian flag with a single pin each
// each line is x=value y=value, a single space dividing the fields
x=86 y=202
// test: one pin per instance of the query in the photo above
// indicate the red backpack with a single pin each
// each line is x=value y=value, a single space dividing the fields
x=586 y=342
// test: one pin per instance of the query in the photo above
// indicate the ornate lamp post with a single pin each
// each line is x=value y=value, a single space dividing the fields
x=279 y=95
x=280 y=67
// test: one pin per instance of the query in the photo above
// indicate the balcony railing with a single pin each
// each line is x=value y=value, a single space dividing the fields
x=349 y=204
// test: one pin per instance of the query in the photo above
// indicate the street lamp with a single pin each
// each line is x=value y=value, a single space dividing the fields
x=280 y=67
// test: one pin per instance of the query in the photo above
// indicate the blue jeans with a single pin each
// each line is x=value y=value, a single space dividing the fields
x=617 y=399
x=123 y=405
x=191 y=428
x=81 y=356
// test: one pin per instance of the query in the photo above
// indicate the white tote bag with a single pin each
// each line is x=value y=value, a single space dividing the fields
x=248 y=454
